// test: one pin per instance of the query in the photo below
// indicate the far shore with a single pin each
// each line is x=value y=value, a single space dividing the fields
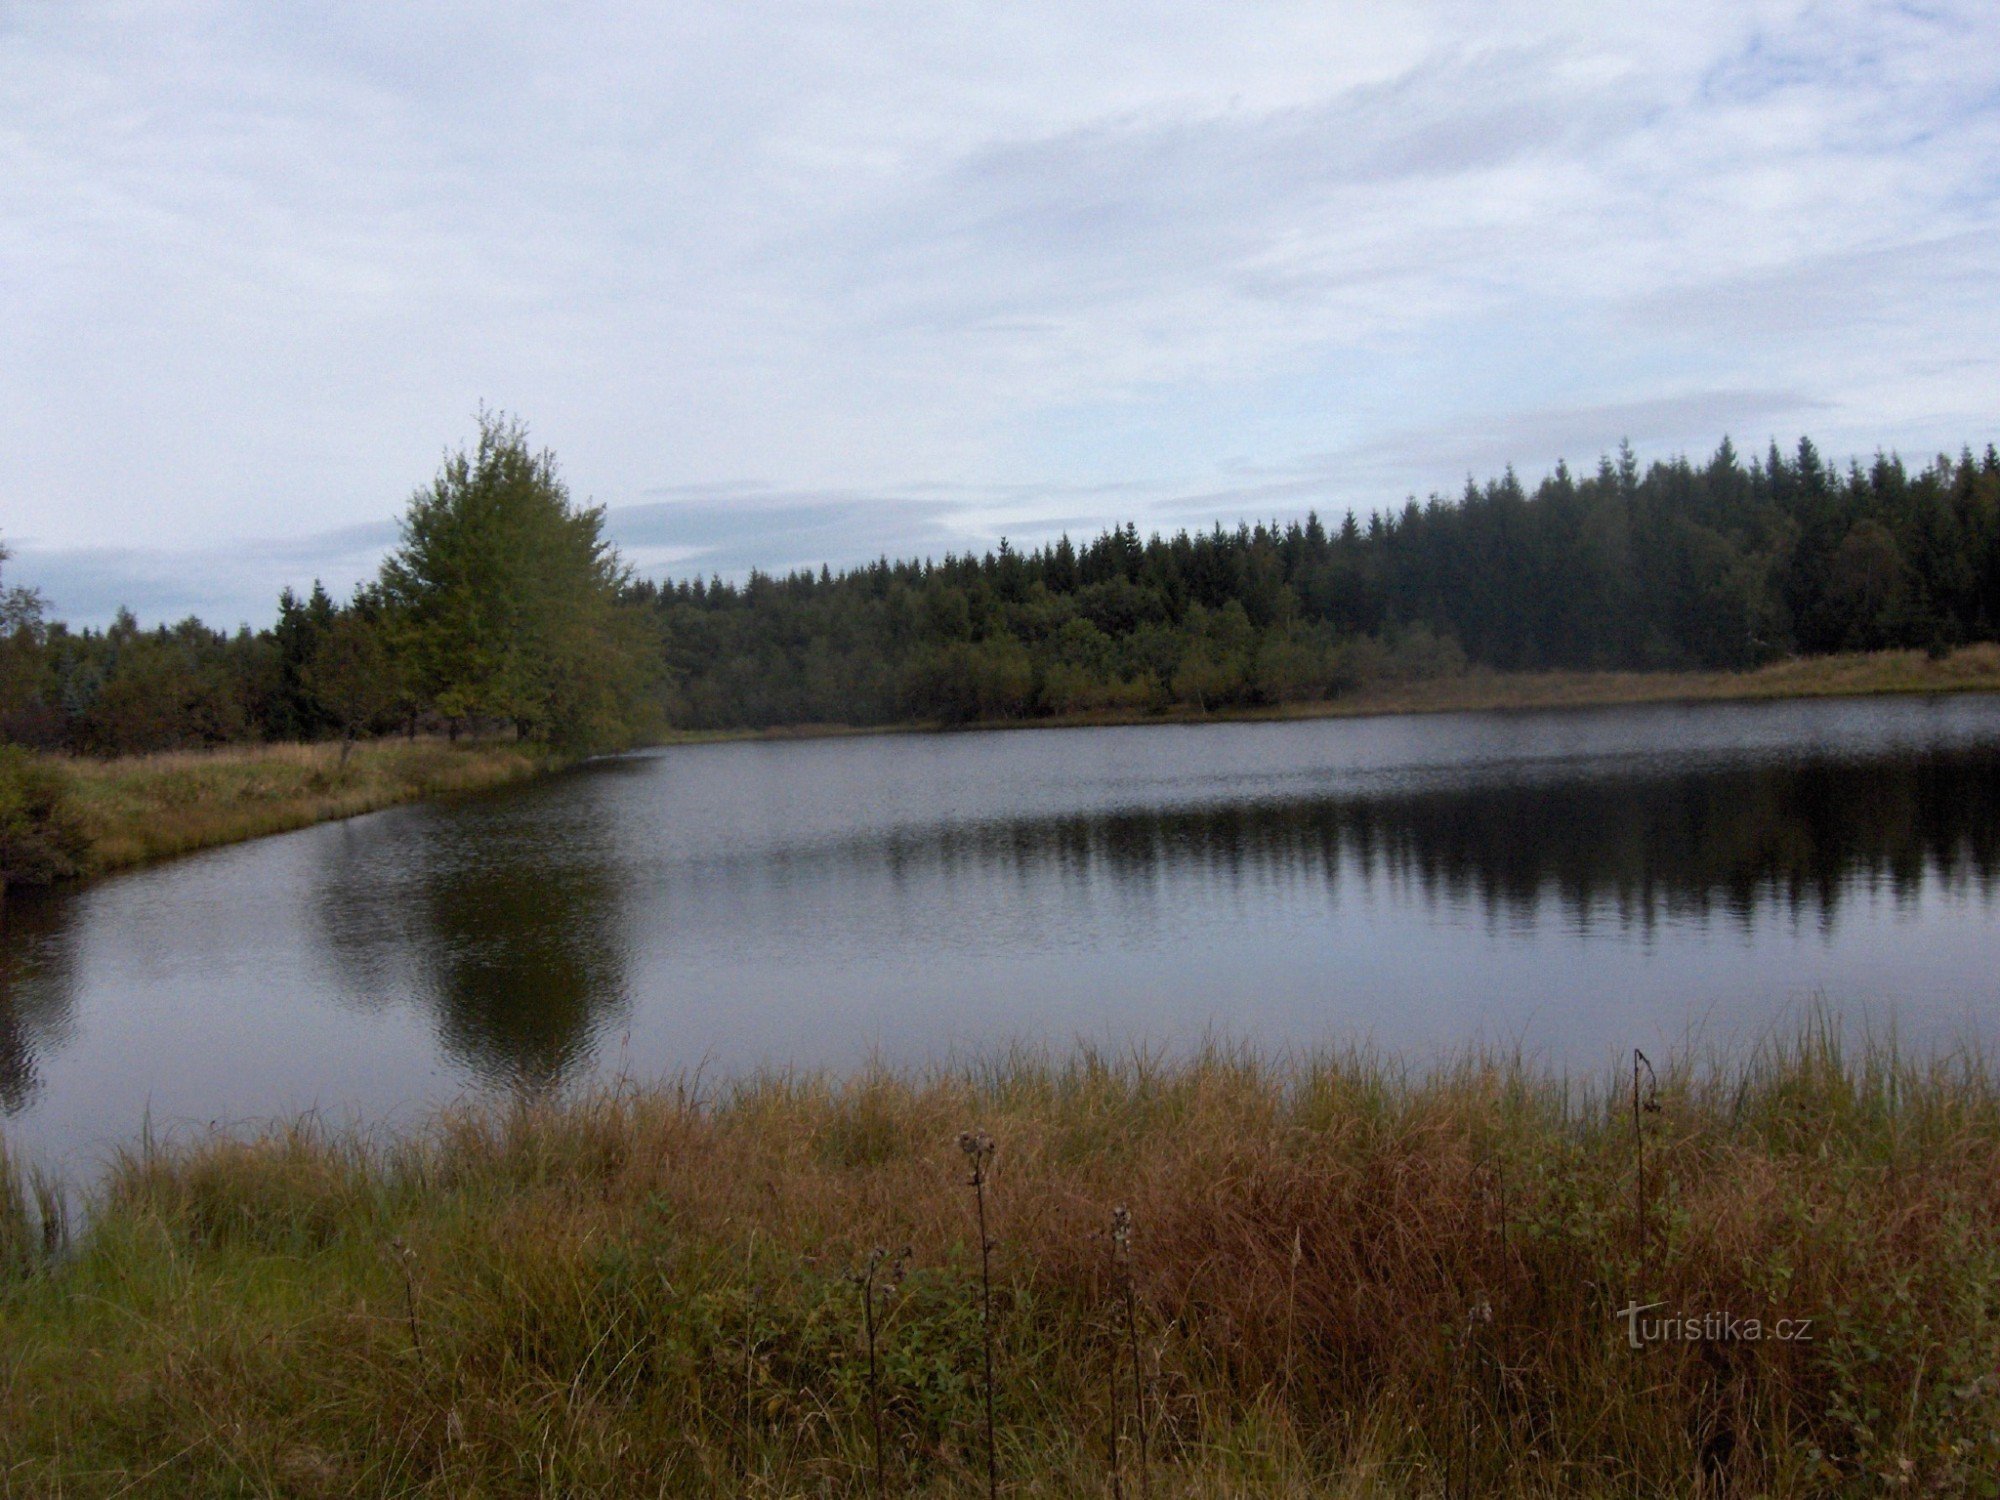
x=1968 y=669
x=148 y=807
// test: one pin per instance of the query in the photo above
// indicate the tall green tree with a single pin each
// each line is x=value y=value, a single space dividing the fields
x=507 y=601
x=352 y=678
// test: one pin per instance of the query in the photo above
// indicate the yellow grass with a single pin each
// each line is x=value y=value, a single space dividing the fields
x=1968 y=669
x=1348 y=1278
x=145 y=807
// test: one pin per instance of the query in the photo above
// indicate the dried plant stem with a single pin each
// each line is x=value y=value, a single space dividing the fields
x=1129 y=1297
x=749 y=1358
x=1111 y=1425
x=52 y=1207
x=986 y=1334
x=1641 y=1106
x=1138 y=1375
x=978 y=1148
x=1292 y=1310
x=1112 y=1399
x=406 y=1260
x=872 y=1293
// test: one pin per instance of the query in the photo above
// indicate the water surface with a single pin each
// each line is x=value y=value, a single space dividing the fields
x=1573 y=883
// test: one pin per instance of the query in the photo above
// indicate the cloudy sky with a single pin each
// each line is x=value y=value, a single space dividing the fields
x=789 y=282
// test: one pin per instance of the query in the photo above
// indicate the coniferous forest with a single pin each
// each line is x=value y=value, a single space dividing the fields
x=506 y=607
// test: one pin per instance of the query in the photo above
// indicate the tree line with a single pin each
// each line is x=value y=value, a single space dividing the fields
x=1721 y=564
x=505 y=607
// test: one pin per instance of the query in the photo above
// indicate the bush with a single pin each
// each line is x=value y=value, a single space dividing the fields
x=41 y=837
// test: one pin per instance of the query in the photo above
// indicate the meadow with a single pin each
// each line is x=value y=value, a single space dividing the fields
x=1218 y=1275
x=142 y=807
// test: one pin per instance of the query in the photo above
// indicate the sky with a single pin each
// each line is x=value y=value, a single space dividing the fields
x=789 y=283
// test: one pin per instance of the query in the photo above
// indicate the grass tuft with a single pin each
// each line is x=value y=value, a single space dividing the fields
x=1333 y=1276
x=150 y=806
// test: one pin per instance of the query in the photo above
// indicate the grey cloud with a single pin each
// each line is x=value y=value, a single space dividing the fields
x=744 y=527
x=1379 y=473
x=1121 y=200
x=1657 y=426
x=1834 y=291
x=224 y=586
x=839 y=249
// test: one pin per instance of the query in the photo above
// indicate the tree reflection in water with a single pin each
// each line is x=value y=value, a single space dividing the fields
x=514 y=940
x=37 y=964
x=1631 y=848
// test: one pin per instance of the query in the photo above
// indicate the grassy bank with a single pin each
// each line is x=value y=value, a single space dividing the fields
x=1343 y=1279
x=144 y=807
x=1969 y=669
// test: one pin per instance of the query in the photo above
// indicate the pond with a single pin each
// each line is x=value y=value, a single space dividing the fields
x=1570 y=883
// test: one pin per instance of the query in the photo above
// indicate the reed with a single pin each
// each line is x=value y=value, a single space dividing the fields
x=1356 y=1277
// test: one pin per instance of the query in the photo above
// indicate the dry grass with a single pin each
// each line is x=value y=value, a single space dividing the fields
x=1968 y=669
x=1348 y=1280
x=145 y=807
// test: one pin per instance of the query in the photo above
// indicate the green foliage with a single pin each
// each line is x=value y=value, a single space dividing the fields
x=352 y=678
x=505 y=608
x=41 y=838
x=504 y=599
x=1719 y=566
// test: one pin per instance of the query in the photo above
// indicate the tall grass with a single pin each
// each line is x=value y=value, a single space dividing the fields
x=148 y=806
x=1973 y=668
x=1345 y=1277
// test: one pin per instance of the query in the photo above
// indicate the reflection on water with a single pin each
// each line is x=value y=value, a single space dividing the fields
x=1631 y=849
x=511 y=937
x=1575 y=881
x=35 y=999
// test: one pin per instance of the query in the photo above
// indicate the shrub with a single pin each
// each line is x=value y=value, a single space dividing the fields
x=41 y=837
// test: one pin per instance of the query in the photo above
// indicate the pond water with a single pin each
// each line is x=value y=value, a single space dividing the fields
x=1572 y=883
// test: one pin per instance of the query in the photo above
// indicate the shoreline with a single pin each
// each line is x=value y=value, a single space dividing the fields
x=1968 y=669
x=143 y=808
x=138 y=809
x=1338 y=1276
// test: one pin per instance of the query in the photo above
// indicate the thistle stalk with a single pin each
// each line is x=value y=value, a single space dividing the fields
x=978 y=1148
x=1649 y=1104
x=1121 y=1252
x=875 y=1294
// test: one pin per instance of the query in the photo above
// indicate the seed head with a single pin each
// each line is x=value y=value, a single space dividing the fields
x=892 y=1279
x=978 y=1148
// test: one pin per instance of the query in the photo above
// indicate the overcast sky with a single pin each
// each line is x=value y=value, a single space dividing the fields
x=783 y=282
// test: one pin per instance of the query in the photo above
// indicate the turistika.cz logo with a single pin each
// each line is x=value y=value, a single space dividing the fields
x=1706 y=1328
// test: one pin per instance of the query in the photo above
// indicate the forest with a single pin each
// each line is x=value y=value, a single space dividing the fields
x=506 y=608
x=1718 y=565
